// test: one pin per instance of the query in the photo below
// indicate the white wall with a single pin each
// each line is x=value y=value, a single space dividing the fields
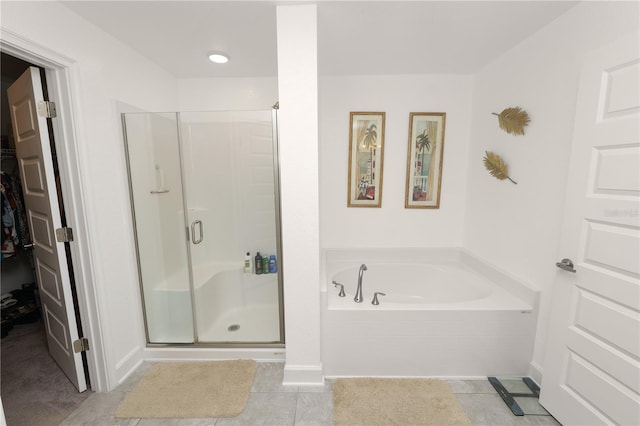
x=392 y=225
x=218 y=94
x=517 y=226
x=104 y=71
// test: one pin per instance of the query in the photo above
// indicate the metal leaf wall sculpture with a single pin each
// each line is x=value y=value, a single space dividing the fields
x=513 y=120
x=496 y=166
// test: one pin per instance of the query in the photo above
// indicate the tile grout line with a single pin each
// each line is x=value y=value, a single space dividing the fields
x=295 y=408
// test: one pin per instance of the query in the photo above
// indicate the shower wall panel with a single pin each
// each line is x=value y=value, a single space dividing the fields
x=230 y=181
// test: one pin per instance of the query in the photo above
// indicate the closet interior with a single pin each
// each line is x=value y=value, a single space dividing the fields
x=19 y=292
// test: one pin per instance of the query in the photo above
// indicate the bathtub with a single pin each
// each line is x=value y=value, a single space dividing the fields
x=446 y=313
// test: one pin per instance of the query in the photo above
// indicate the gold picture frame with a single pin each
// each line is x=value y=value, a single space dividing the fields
x=424 y=160
x=366 y=152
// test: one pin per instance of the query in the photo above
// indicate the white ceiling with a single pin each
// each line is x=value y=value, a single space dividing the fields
x=354 y=37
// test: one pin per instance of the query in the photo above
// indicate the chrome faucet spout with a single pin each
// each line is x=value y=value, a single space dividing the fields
x=359 y=298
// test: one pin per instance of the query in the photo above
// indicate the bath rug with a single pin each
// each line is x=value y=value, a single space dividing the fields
x=373 y=401
x=191 y=390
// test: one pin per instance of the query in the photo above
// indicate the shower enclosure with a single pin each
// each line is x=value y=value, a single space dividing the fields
x=204 y=193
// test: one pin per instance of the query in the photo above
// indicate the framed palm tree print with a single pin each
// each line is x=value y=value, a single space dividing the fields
x=424 y=160
x=366 y=147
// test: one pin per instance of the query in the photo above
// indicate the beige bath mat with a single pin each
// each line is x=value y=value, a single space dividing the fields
x=191 y=389
x=370 y=401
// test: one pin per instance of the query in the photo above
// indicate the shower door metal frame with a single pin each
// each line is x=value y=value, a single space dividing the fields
x=276 y=185
x=185 y=209
x=123 y=117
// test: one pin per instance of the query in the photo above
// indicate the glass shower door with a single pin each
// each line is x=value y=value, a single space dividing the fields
x=155 y=180
x=230 y=174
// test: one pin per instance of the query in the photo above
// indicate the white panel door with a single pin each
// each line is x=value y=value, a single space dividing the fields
x=592 y=368
x=43 y=214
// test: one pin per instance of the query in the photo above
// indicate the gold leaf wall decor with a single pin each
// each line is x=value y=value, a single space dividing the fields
x=513 y=120
x=496 y=166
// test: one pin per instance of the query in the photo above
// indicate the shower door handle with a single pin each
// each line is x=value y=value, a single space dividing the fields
x=195 y=240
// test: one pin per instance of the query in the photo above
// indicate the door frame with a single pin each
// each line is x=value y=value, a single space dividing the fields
x=63 y=83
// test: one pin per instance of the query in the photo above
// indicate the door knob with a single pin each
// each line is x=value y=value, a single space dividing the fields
x=566 y=265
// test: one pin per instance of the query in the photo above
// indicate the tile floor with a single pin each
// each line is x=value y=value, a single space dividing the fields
x=271 y=403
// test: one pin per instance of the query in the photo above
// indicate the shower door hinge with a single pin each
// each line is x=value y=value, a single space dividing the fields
x=64 y=235
x=46 y=109
x=81 y=345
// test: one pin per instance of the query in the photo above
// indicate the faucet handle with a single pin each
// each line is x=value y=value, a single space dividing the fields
x=375 y=298
x=336 y=284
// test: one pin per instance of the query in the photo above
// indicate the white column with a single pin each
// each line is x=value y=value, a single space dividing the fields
x=298 y=125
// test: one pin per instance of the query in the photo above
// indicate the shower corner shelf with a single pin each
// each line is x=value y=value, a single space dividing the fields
x=163 y=191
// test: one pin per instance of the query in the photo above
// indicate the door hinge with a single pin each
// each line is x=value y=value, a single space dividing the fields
x=81 y=345
x=64 y=235
x=46 y=109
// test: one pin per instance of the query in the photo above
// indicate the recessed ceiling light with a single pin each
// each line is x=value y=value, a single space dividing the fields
x=218 y=57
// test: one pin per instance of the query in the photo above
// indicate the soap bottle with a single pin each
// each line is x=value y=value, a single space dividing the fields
x=265 y=264
x=258 y=264
x=247 y=263
x=273 y=266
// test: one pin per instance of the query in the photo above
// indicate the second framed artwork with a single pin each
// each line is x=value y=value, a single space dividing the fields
x=424 y=160
x=366 y=149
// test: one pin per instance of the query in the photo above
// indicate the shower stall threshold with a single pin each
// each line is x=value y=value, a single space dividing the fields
x=210 y=352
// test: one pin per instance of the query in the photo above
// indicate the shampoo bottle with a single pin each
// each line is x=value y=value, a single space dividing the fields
x=273 y=266
x=258 y=264
x=247 y=263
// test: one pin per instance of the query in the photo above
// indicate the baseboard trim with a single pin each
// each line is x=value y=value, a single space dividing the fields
x=303 y=375
x=127 y=365
x=535 y=372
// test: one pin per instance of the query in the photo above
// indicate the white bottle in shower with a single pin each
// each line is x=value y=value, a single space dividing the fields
x=247 y=264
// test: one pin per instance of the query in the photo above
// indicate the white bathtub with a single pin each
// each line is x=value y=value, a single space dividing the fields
x=417 y=286
x=445 y=313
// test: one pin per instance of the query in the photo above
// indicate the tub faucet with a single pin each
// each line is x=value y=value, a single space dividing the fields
x=375 y=300
x=336 y=284
x=359 y=298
